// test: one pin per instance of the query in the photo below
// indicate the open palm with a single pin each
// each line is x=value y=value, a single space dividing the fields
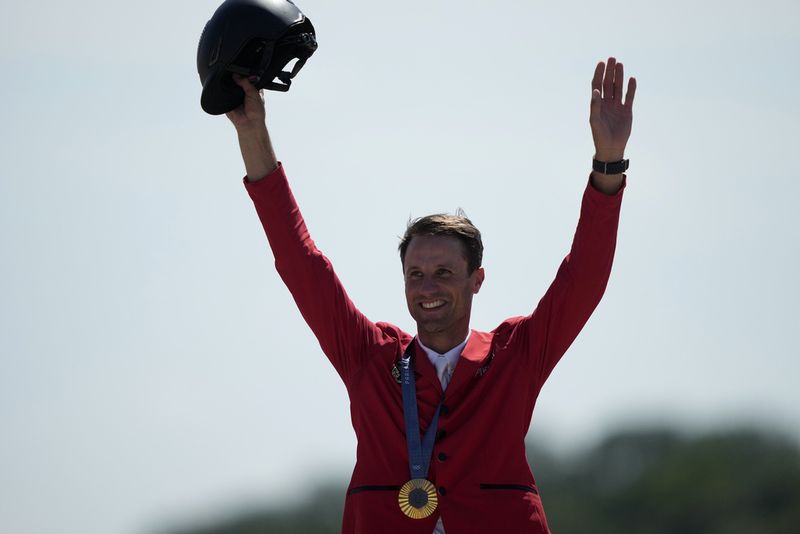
x=609 y=117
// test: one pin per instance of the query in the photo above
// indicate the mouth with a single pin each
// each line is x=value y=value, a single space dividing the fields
x=432 y=304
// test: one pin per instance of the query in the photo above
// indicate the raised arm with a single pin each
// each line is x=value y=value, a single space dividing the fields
x=343 y=332
x=583 y=275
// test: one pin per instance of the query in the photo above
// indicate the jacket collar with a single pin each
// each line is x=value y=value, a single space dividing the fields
x=475 y=354
x=473 y=357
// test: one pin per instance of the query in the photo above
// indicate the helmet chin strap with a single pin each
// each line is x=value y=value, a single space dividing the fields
x=305 y=44
x=286 y=77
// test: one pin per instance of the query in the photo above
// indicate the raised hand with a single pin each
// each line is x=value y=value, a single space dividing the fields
x=609 y=117
x=251 y=114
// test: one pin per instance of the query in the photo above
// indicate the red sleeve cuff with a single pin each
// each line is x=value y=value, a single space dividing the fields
x=591 y=190
x=271 y=177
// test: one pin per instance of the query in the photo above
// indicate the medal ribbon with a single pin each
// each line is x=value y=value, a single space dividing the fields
x=419 y=452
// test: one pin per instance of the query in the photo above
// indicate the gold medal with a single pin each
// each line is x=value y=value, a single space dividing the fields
x=417 y=498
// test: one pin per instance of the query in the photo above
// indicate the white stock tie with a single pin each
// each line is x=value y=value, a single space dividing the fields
x=442 y=370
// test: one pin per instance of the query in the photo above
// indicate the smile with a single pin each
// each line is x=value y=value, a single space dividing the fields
x=432 y=304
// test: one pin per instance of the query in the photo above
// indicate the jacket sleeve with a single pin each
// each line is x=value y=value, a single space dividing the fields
x=578 y=286
x=343 y=332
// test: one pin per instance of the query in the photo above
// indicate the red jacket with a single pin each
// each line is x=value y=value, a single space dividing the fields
x=479 y=464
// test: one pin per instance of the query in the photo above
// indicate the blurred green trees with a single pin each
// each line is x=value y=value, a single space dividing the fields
x=637 y=482
x=654 y=482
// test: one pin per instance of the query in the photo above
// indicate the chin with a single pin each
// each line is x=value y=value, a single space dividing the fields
x=430 y=327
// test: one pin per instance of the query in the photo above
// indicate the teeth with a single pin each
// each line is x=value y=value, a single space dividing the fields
x=434 y=304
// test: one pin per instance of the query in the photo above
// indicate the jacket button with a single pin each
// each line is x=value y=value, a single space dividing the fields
x=445 y=410
x=440 y=434
x=442 y=491
x=442 y=457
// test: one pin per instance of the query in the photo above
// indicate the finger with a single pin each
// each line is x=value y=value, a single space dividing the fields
x=619 y=79
x=608 y=79
x=597 y=80
x=630 y=93
x=245 y=83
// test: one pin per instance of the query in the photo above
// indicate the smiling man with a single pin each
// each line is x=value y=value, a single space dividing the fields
x=441 y=257
x=441 y=417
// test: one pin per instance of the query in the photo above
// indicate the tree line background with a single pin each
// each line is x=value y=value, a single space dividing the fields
x=654 y=481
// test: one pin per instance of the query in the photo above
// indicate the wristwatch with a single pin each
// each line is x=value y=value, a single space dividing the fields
x=610 y=167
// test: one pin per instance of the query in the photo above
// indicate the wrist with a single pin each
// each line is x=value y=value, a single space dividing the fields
x=609 y=154
x=610 y=167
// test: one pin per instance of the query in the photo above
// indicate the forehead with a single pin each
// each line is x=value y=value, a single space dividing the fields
x=435 y=249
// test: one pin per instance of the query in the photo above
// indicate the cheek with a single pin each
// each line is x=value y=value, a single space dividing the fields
x=468 y=293
x=409 y=292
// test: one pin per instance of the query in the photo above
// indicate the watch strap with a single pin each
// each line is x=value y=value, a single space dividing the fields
x=610 y=167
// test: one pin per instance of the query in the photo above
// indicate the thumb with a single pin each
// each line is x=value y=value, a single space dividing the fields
x=596 y=102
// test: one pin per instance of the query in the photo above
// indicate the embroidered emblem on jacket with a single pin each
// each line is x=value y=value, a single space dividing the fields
x=483 y=370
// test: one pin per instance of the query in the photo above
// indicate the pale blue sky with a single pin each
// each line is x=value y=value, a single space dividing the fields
x=153 y=368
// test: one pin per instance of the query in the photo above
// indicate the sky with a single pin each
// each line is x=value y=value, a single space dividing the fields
x=153 y=368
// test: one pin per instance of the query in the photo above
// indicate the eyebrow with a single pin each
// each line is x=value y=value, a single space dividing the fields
x=437 y=266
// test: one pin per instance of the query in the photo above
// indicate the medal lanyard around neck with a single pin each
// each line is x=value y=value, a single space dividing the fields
x=419 y=452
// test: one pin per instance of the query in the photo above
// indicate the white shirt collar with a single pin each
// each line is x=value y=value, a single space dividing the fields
x=452 y=355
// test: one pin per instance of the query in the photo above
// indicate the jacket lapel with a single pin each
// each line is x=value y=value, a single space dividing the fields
x=472 y=359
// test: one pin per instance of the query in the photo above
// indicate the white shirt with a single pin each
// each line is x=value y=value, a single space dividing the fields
x=451 y=356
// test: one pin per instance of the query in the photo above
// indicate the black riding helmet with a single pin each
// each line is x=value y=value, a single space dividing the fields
x=252 y=38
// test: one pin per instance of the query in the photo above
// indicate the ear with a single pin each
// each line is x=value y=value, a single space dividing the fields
x=477 y=279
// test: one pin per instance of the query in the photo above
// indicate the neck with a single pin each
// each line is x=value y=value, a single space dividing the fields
x=442 y=342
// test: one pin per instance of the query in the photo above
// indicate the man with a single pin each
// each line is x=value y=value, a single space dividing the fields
x=441 y=418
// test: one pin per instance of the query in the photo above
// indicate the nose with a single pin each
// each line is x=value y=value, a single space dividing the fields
x=428 y=286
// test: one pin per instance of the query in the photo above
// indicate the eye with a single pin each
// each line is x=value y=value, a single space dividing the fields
x=414 y=274
x=443 y=273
